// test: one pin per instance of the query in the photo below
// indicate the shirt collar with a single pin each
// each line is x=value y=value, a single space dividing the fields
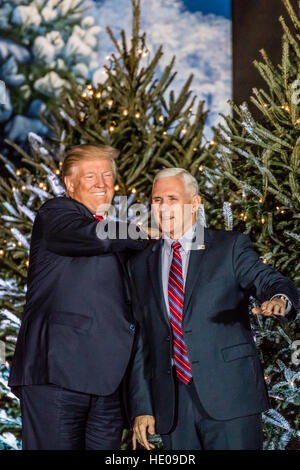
x=185 y=240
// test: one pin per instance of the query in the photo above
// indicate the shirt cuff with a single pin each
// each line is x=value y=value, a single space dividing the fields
x=289 y=303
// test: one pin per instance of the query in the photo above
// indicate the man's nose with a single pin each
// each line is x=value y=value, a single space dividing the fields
x=99 y=180
x=163 y=207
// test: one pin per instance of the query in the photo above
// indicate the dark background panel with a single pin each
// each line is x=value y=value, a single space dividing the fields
x=218 y=7
x=255 y=26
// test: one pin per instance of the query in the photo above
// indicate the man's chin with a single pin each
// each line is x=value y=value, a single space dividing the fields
x=167 y=229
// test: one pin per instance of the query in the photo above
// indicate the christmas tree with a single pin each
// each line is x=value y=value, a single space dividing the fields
x=130 y=110
x=260 y=165
x=43 y=43
x=21 y=195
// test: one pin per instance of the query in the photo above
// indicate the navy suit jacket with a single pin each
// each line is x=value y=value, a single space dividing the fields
x=225 y=365
x=77 y=329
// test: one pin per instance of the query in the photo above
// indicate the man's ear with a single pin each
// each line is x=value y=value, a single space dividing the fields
x=196 y=201
x=69 y=183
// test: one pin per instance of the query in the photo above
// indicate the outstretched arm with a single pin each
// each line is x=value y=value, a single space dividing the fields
x=263 y=280
x=69 y=232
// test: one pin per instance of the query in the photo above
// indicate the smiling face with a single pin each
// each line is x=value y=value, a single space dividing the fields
x=92 y=183
x=173 y=206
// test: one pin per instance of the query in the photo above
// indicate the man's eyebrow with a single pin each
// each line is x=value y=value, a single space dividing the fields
x=168 y=195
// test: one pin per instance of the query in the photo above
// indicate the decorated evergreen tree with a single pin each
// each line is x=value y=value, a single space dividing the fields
x=259 y=161
x=129 y=109
x=21 y=195
x=43 y=43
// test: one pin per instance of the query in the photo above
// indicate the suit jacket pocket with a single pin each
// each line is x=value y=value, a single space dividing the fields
x=238 y=351
x=75 y=320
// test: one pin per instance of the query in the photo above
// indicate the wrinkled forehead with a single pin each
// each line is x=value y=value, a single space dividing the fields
x=169 y=185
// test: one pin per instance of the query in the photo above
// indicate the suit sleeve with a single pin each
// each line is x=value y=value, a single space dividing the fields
x=138 y=386
x=68 y=232
x=261 y=279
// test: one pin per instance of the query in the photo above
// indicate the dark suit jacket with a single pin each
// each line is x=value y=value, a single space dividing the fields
x=226 y=369
x=77 y=329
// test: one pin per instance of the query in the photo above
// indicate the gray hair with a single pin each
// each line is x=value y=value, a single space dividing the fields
x=190 y=182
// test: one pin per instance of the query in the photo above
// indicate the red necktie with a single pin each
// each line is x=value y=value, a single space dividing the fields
x=176 y=299
x=98 y=217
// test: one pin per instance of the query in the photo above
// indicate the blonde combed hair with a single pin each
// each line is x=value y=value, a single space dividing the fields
x=88 y=152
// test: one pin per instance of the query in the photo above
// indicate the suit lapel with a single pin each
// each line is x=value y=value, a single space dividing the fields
x=196 y=267
x=155 y=274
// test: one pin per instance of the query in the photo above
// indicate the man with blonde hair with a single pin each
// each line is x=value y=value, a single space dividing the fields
x=196 y=377
x=77 y=332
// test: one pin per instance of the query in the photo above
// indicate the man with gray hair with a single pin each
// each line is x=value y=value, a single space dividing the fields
x=196 y=378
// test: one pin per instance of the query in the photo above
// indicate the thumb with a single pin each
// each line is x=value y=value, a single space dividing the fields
x=256 y=310
x=134 y=442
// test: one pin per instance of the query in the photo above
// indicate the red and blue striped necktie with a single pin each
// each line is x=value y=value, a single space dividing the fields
x=176 y=300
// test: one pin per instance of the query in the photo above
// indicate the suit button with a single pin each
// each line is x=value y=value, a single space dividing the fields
x=132 y=327
x=168 y=338
x=169 y=372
